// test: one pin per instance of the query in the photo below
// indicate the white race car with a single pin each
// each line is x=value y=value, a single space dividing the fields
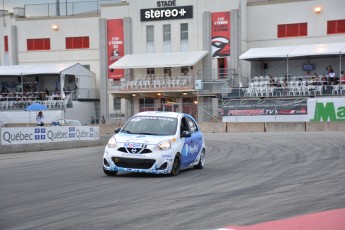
x=155 y=142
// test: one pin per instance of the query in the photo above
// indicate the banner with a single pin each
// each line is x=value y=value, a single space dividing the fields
x=115 y=46
x=49 y=134
x=265 y=107
x=220 y=34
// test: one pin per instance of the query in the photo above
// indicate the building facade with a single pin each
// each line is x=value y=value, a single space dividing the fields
x=179 y=55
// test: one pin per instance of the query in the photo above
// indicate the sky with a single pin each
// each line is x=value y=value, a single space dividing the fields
x=30 y=4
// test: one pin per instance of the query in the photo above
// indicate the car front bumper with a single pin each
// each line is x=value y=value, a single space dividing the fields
x=156 y=162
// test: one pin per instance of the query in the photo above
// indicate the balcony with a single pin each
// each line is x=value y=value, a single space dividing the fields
x=199 y=83
x=150 y=83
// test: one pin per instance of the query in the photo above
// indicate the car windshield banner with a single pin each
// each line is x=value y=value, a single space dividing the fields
x=261 y=107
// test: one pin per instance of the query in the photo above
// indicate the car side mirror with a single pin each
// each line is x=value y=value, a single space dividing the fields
x=117 y=130
x=186 y=134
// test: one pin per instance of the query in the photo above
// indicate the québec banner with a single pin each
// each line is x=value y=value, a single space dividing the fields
x=48 y=134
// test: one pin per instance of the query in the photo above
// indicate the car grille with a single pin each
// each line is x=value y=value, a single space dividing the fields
x=134 y=150
x=133 y=163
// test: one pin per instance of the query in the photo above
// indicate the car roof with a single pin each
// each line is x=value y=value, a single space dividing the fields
x=160 y=113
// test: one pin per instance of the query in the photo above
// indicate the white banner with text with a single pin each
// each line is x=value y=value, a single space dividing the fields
x=49 y=134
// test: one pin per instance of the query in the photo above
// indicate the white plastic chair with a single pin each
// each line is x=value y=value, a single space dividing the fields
x=318 y=89
x=335 y=89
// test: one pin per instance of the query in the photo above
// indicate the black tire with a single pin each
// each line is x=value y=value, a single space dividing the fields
x=176 y=165
x=109 y=173
x=201 y=163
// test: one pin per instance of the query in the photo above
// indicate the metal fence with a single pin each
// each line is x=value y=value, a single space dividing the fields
x=200 y=113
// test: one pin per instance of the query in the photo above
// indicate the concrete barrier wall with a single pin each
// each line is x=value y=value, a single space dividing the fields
x=107 y=130
x=325 y=126
x=245 y=127
x=212 y=127
x=47 y=146
x=285 y=126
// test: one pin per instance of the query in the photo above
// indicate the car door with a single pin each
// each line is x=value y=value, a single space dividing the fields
x=192 y=144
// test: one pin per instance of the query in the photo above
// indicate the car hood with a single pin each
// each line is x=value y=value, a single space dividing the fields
x=140 y=138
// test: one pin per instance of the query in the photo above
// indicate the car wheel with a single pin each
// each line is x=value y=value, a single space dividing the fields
x=176 y=166
x=202 y=159
x=109 y=173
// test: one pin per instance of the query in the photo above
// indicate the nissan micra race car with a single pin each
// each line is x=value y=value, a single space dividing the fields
x=155 y=142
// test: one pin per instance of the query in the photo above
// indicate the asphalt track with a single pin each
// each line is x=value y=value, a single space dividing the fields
x=248 y=178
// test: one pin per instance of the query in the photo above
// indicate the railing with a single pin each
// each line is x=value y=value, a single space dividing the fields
x=21 y=105
x=64 y=8
x=86 y=94
x=293 y=88
x=147 y=82
x=206 y=113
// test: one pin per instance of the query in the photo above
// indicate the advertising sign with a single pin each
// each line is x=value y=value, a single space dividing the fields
x=260 y=107
x=167 y=13
x=328 y=109
x=115 y=46
x=285 y=110
x=49 y=134
x=220 y=34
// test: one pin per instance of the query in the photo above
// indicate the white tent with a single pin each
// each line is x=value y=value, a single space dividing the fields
x=84 y=77
x=294 y=52
x=159 y=60
x=267 y=53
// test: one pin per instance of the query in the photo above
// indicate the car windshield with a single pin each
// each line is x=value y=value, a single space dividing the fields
x=151 y=125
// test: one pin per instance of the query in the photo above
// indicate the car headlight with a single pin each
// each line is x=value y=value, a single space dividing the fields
x=112 y=143
x=164 y=145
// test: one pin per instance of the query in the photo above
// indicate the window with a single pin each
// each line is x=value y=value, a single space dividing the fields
x=150 y=72
x=117 y=103
x=146 y=104
x=336 y=27
x=166 y=38
x=184 y=37
x=192 y=126
x=185 y=70
x=150 y=41
x=6 y=43
x=167 y=72
x=38 y=44
x=292 y=30
x=86 y=66
x=77 y=42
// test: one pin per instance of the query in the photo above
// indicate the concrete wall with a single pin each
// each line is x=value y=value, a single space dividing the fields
x=245 y=127
x=325 y=126
x=107 y=130
x=212 y=127
x=285 y=126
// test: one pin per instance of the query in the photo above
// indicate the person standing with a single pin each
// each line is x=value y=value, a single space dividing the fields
x=40 y=119
x=331 y=77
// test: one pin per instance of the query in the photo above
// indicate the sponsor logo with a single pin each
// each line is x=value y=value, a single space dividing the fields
x=328 y=112
x=167 y=13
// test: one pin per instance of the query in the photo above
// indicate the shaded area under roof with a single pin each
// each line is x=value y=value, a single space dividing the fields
x=281 y=52
x=159 y=60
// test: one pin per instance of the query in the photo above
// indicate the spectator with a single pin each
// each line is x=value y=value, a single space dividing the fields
x=40 y=119
x=272 y=82
x=342 y=78
x=324 y=79
x=331 y=77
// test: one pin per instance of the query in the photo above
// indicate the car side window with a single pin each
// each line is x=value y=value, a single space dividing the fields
x=184 y=125
x=193 y=127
